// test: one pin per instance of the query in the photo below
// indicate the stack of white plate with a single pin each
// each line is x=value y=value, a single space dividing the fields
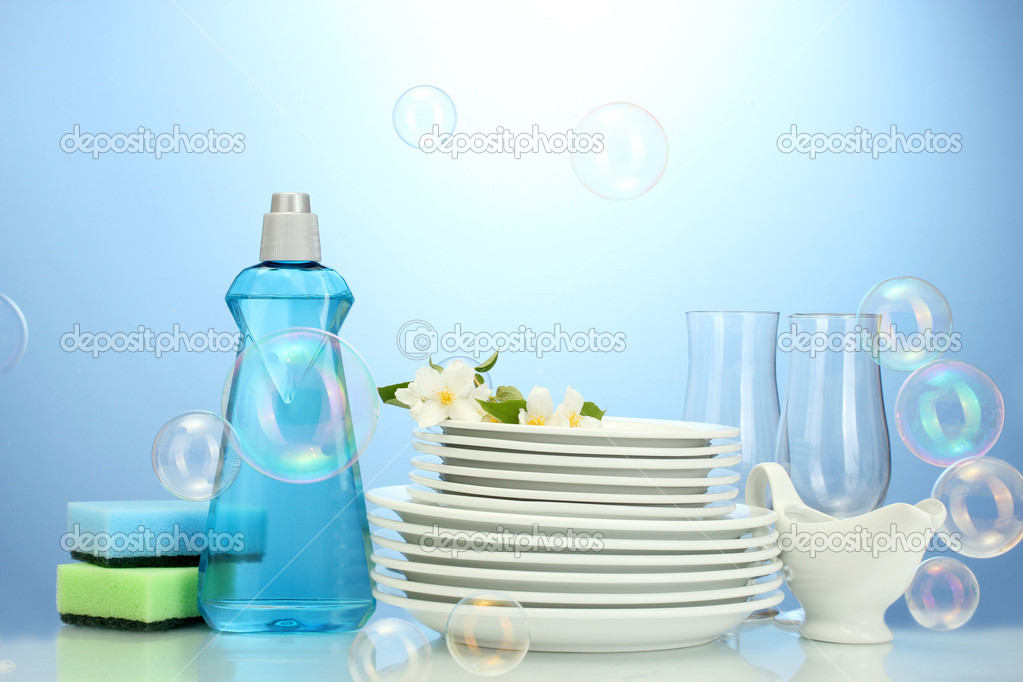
x=623 y=538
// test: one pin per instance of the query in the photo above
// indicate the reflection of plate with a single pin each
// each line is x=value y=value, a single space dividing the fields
x=697 y=500
x=595 y=629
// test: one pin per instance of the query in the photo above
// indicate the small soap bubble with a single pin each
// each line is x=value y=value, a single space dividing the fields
x=196 y=455
x=389 y=650
x=471 y=363
x=948 y=411
x=487 y=633
x=984 y=499
x=419 y=110
x=306 y=405
x=943 y=594
x=13 y=334
x=915 y=323
x=632 y=156
x=749 y=104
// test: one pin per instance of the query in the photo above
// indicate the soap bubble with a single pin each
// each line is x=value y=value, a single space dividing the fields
x=13 y=334
x=391 y=650
x=298 y=423
x=948 y=411
x=943 y=594
x=471 y=363
x=421 y=108
x=915 y=325
x=984 y=499
x=634 y=155
x=196 y=455
x=487 y=633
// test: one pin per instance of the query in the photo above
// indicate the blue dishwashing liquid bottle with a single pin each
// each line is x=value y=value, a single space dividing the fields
x=304 y=564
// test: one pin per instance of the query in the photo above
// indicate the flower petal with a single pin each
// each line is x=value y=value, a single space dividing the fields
x=428 y=381
x=407 y=396
x=430 y=413
x=540 y=402
x=573 y=399
x=464 y=410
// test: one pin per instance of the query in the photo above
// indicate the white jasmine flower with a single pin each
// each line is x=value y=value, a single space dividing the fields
x=448 y=394
x=539 y=408
x=569 y=412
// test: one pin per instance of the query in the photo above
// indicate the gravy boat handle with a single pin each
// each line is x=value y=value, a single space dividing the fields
x=771 y=475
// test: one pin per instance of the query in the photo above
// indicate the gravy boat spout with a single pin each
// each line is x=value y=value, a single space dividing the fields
x=845 y=572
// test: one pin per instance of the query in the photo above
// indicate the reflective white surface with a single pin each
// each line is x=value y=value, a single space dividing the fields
x=761 y=652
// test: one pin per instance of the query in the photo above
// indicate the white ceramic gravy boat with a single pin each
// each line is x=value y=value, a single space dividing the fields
x=845 y=572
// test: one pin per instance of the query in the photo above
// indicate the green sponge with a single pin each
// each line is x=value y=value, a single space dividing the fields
x=128 y=598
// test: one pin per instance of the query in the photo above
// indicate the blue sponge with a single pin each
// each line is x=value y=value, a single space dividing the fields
x=136 y=534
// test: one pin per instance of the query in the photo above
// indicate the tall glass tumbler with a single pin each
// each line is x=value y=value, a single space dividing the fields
x=833 y=430
x=732 y=378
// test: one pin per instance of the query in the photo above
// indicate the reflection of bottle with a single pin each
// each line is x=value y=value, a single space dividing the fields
x=306 y=569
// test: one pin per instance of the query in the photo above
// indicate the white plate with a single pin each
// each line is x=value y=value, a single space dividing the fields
x=553 y=581
x=607 y=630
x=589 y=510
x=453 y=541
x=652 y=433
x=608 y=483
x=431 y=481
x=562 y=598
x=650 y=564
x=703 y=449
x=397 y=499
x=576 y=464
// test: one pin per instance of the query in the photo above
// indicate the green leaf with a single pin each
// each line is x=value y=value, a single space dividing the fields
x=506 y=393
x=387 y=394
x=479 y=380
x=435 y=366
x=396 y=403
x=591 y=410
x=505 y=412
x=488 y=364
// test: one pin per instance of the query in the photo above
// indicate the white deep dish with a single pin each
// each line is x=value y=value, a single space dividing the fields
x=653 y=497
x=446 y=538
x=554 y=581
x=701 y=449
x=576 y=464
x=650 y=564
x=563 y=598
x=741 y=521
x=633 y=432
x=585 y=509
x=607 y=630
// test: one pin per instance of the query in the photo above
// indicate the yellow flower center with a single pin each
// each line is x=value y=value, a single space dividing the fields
x=536 y=420
x=446 y=397
x=574 y=419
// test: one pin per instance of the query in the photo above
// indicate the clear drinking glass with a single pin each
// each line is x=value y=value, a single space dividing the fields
x=732 y=379
x=833 y=431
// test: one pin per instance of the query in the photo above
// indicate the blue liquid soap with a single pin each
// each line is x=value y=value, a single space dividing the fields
x=305 y=564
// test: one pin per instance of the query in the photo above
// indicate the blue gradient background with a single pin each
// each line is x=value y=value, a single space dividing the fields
x=488 y=242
